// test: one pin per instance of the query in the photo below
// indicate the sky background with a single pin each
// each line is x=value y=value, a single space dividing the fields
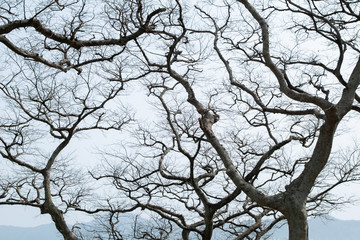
x=30 y=217
x=84 y=149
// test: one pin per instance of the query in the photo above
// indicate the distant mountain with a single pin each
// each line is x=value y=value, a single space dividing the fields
x=325 y=229
x=319 y=229
x=43 y=232
x=334 y=229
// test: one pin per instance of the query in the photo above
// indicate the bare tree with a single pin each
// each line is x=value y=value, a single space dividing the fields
x=45 y=109
x=274 y=98
x=183 y=182
x=249 y=94
x=70 y=34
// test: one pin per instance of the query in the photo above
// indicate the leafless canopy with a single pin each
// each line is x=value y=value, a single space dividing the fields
x=247 y=96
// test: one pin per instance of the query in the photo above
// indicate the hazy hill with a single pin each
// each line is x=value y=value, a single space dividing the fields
x=320 y=229
x=43 y=232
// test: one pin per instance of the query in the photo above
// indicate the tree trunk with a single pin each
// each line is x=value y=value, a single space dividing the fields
x=208 y=227
x=55 y=213
x=185 y=234
x=298 y=224
x=58 y=219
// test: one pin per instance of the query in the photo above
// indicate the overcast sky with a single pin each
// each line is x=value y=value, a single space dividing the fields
x=30 y=217
x=83 y=149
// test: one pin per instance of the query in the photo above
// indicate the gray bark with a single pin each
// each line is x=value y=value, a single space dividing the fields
x=297 y=223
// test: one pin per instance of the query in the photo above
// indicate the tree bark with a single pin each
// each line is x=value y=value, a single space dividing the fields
x=297 y=223
x=185 y=234
x=58 y=218
x=55 y=213
x=208 y=227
